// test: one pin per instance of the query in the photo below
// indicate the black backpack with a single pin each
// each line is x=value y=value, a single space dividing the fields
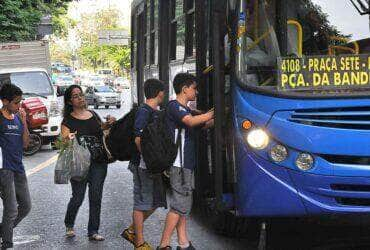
x=157 y=147
x=121 y=139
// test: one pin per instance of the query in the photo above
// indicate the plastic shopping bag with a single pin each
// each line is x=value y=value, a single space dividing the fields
x=62 y=172
x=81 y=161
x=73 y=163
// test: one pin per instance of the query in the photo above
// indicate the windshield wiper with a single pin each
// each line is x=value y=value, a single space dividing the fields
x=34 y=94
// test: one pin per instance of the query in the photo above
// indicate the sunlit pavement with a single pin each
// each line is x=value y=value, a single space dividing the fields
x=44 y=227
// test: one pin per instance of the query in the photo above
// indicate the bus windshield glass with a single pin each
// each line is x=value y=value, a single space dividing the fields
x=304 y=46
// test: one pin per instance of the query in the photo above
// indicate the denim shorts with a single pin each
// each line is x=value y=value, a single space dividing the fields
x=147 y=190
x=181 y=190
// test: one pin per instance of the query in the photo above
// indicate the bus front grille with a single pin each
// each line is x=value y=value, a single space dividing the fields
x=353 y=201
x=347 y=118
x=346 y=159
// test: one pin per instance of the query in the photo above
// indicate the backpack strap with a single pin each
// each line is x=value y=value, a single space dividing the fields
x=179 y=145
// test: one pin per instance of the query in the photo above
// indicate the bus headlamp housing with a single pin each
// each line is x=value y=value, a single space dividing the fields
x=258 y=139
x=304 y=161
x=278 y=153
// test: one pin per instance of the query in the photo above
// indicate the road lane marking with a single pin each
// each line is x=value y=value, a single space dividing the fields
x=41 y=166
x=25 y=239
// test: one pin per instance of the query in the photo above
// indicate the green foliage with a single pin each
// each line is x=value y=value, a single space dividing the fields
x=116 y=57
x=91 y=54
x=62 y=144
x=19 y=18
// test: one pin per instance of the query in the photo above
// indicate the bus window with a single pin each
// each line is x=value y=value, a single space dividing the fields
x=328 y=29
x=177 y=30
x=147 y=32
x=133 y=41
x=154 y=32
x=190 y=28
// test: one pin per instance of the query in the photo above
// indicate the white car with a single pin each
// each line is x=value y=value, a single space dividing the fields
x=95 y=80
x=102 y=96
x=121 y=83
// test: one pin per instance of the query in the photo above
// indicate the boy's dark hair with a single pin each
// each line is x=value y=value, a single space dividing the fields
x=9 y=92
x=181 y=80
x=152 y=87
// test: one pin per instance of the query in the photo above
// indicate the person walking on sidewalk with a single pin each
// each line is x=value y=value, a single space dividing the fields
x=88 y=128
x=149 y=193
x=14 y=136
x=181 y=120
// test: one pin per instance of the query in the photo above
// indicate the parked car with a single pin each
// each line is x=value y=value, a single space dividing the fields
x=95 y=80
x=61 y=80
x=120 y=83
x=102 y=96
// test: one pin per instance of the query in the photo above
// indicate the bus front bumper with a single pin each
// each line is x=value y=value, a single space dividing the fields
x=268 y=190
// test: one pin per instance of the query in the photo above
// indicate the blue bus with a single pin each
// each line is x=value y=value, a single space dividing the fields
x=290 y=84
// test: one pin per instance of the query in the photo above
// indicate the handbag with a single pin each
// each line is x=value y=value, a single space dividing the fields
x=106 y=156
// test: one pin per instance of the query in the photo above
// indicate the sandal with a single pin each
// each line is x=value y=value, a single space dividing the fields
x=96 y=237
x=70 y=233
x=129 y=236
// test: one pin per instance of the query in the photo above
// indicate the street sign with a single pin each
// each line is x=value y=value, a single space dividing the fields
x=113 y=37
x=45 y=26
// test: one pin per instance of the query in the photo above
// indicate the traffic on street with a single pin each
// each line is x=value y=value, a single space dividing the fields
x=185 y=124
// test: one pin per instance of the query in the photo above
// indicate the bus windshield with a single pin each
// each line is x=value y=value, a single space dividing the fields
x=319 y=30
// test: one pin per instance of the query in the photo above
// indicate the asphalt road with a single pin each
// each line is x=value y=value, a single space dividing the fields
x=44 y=227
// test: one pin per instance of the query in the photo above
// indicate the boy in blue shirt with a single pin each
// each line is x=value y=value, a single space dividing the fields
x=14 y=136
x=180 y=120
x=148 y=190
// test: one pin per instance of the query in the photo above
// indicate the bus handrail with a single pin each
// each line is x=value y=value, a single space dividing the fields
x=259 y=39
x=299 y=34
x=332 y=48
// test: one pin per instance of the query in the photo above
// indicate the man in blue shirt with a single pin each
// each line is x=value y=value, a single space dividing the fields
x=148 y=194
x=180 y=120
x=14 y=136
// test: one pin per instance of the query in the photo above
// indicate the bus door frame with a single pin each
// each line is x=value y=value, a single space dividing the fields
x=164 y=40
x=140 y=60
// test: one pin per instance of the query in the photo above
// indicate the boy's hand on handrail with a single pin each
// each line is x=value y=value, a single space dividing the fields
x=209 y=124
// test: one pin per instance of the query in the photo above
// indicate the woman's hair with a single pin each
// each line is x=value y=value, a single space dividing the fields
x=68 y=108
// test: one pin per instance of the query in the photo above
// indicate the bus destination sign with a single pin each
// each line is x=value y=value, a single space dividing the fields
x=324 y=72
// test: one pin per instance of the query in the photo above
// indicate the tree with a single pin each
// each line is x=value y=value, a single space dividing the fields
x=19 y=18
x=90 y=53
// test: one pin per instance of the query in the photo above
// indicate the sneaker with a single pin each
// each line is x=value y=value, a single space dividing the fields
x=96 y=237
x=144 y=246
x=70 y=233
x=190 y=247
x=164 y=248
x=6 y=245
x=129 y=236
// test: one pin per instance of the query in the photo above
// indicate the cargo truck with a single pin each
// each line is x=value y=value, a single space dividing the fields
x=27 y=65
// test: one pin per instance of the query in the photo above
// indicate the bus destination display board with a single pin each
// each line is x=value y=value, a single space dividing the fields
x=324 y=72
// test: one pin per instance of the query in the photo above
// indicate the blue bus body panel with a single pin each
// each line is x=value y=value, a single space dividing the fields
x=265 y=190
x=335 y=127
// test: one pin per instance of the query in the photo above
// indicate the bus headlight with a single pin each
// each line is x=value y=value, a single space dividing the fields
x=278 y=153
x=304 y=161
x=258 y=139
